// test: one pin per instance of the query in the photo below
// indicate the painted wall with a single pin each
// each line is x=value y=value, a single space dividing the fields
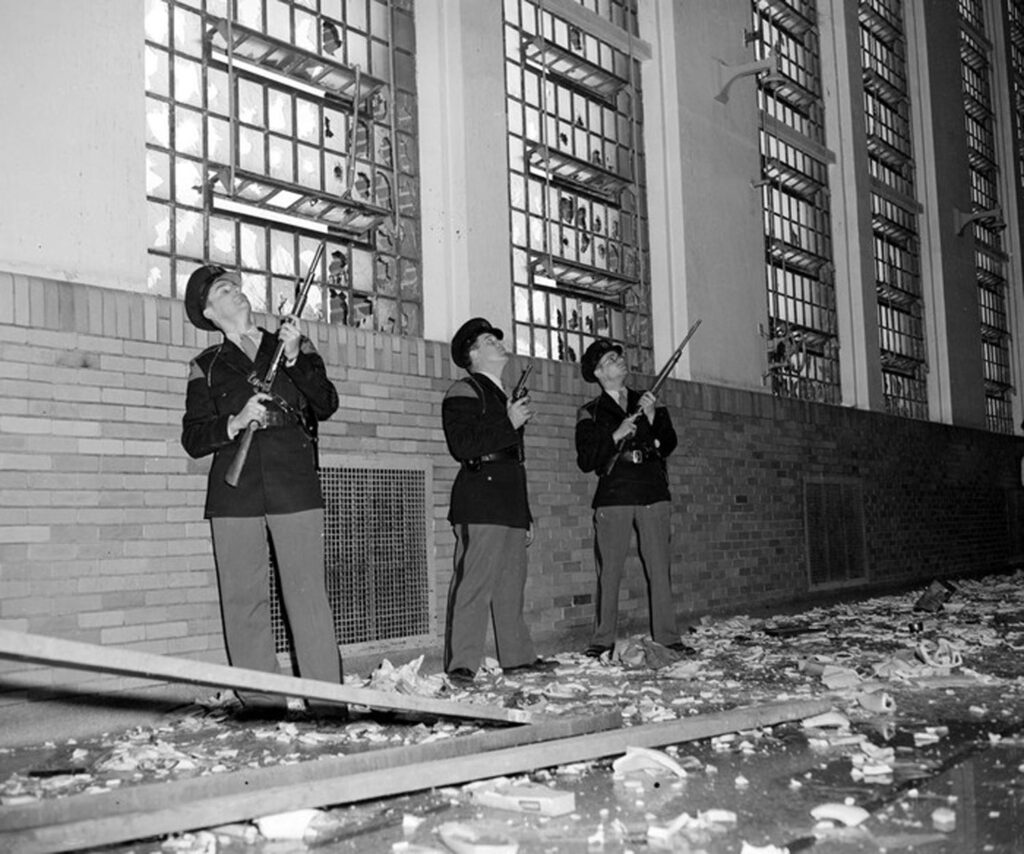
x=949 y=272
x=702 y=162
x=72 y=148
x=467 y=267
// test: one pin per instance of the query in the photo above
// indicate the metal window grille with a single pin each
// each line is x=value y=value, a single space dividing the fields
x=894 y=208
x=803 y=352
x=1015 y=25
x=576 y=184
x=989 y=252
x=273 y=126
x=379 y=579
x=834 y=526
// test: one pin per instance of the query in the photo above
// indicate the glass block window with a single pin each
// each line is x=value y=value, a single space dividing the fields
x=802 y=332
x=986 y=220
x=576 y=185
x=273 y=125
x=894 y=208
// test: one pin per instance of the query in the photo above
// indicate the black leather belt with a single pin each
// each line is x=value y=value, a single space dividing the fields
x=637 y=456
x=505 y=455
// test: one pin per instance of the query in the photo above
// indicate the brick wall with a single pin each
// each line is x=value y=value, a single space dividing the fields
x=102 y=537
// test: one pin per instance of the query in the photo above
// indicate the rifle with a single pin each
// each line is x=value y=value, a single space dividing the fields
x=659 y=381
x=264 y=385
x=520 y=390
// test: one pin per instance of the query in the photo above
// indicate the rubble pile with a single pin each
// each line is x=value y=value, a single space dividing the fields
x=920 y=683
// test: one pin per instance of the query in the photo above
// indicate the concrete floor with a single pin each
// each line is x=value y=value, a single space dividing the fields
x=983 y=784
x=26 y=723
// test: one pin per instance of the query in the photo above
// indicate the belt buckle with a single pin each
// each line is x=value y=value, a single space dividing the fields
x=636 y=456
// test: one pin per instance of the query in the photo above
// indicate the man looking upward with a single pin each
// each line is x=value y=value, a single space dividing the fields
x=278 y=490
x=489 y=512
x=625 y=437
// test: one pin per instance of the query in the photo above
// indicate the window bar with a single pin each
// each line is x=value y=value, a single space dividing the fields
x=393 y=128
x=546 y=205
x=232 y=99
x=631 y=303
x=350 y=166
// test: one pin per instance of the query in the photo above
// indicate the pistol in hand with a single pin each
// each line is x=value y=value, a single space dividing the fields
x=520 y=391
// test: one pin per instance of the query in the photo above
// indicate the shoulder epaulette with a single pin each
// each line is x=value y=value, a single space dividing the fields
x=462 y=388
x=588 y=410
x=468 y=387
x=200 y=364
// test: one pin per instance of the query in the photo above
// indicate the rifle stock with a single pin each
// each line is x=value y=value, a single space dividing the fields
x=234 y=472
x=659 y=381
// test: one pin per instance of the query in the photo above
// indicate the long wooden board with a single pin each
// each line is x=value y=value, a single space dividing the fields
x=172 y=807
x=41 y=649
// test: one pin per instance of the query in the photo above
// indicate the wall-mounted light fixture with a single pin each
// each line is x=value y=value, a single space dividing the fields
x=992 y=218
x=729 y=74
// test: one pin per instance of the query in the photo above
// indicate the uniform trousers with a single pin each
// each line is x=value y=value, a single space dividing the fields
x=240 y=549
x=613 y=532
x=489 y=580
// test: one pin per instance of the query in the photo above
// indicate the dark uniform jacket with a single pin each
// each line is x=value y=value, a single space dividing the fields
x=280 y=474
x=476 y=426
x=639 y=479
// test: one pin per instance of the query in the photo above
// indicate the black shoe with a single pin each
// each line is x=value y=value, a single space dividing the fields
x=595 y=650
x=681 y=648
x=324 y=714
x=461 y=677
x=538 y=665
x=261 y=713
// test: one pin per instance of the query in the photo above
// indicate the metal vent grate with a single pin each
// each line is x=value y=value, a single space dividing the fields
x=376 y=554
x=834 y=523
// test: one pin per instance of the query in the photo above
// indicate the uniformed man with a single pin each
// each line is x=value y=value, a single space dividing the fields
x=624 y=436
x=279 y=488
x=489 y=512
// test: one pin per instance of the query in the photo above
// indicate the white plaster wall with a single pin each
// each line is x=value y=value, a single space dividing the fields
x=467 y=268
x=707 y=249
x=72 y=146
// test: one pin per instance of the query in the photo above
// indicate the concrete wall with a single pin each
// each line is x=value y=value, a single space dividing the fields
x=951 y=301
x=702 y=158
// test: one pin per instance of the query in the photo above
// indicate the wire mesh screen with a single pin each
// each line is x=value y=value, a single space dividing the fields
x=376 y=565
x=834 y=522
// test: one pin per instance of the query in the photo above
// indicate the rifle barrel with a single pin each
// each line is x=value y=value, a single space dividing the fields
x=234 y=473
x=658 y=383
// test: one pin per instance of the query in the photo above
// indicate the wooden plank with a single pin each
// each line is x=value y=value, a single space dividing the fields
x=64 y=653
x=55 y=824
x=190 y=804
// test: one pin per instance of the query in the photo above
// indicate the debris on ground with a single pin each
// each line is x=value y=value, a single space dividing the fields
x=921 y=684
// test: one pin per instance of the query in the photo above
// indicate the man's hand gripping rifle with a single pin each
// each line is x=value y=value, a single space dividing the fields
x=264 y=385
x=659 y=381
